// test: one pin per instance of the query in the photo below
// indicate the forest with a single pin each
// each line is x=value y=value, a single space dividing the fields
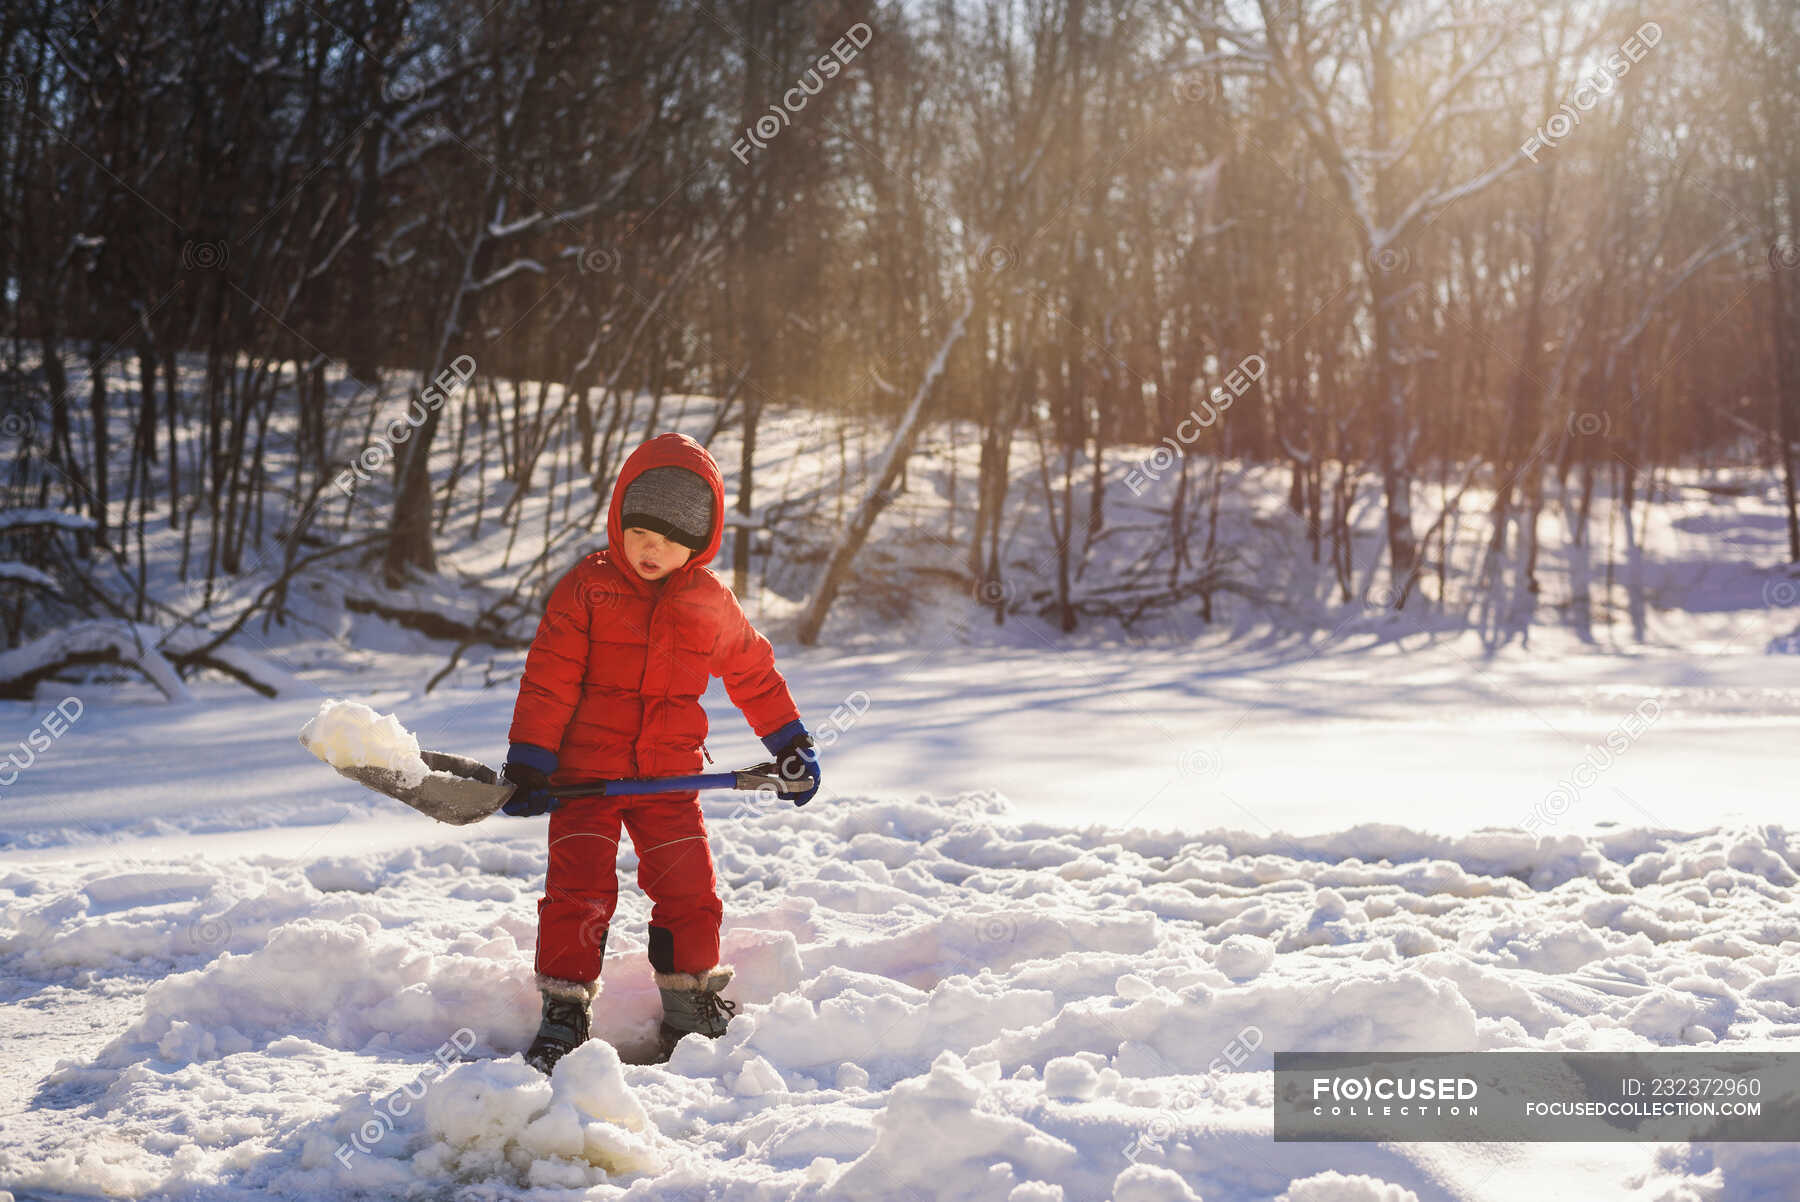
x=1443 y=266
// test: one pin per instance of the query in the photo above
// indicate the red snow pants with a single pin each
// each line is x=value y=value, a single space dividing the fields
x=581 y=887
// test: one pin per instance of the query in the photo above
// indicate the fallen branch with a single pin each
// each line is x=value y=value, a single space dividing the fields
x=1128 y=605
x=438 y=625
x=530 y=570
x=24 y=573
x=84 y=644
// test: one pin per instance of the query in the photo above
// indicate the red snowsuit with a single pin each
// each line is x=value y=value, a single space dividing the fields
x=612 y=685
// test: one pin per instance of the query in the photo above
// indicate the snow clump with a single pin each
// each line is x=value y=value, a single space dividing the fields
x=348 y=734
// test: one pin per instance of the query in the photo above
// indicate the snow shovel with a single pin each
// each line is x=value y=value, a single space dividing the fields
x=459 y=790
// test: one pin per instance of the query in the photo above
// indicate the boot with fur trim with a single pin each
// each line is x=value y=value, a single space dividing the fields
x=692 y=1005
x=564 y=1026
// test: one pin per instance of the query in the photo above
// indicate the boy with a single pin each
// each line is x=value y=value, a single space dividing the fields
x=612 y=690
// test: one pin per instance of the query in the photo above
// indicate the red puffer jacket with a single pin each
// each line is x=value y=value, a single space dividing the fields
x=614 y=676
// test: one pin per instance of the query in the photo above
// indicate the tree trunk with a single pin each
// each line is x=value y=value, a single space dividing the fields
x=97 y=393
x=831 y=577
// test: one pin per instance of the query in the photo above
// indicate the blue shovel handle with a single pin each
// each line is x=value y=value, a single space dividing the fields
x=757 y=777
x=671 y=784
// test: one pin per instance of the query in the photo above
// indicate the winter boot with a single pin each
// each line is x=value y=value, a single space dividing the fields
x=565 y=1023
x=691 y=1004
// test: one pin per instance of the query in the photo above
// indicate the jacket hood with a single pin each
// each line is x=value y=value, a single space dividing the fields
x=669 y=450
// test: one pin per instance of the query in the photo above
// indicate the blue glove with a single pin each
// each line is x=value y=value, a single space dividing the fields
x=796 y=758
x=529 y=767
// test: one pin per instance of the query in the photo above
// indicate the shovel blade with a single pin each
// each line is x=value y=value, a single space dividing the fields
x=457 y=790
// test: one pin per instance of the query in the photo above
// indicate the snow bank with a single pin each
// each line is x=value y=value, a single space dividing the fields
x=348 y=734
x=972 y=1154
x=503 y=1121
x=1332 y=1186
x=347 y=984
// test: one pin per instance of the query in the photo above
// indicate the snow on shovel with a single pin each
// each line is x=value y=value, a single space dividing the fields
x=375 y=750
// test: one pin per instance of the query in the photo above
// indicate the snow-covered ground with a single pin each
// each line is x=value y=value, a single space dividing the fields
x=938 y=999
x=1049 y=882
x=226 y=964
x=1277 y=734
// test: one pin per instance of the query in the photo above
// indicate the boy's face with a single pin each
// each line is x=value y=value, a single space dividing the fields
x=651 y=555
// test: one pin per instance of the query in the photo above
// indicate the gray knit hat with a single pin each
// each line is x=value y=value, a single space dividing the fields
x=674 y=502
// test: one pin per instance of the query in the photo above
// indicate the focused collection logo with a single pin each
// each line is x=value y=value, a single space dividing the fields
x=1506 y=1096
x=1391 y=1097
